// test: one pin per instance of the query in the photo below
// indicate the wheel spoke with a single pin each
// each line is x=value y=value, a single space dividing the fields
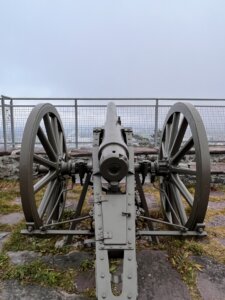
x=182 y=188
x=169 y=209
x=163 y=149
x=56 y=132
x=179 y=205
x=61 y=143
x=179 y=137
x=167 y=137
x=174 y=129
x=44 y=162
x=183 y=150
x=44 y=180
x=47 y=198
x=45 y=143
x=182 y=171
x=50 y=132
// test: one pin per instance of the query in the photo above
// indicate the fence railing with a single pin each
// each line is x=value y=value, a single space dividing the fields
x=145 y=115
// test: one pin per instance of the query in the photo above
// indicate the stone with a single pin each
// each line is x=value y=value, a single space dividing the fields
x=216 y=205
x=11 y=219
x=217 y=221
x=157 y=279
x=85 y=281
x=22 y=257
x=211 y=280
x=70 y=260
x=12 y=290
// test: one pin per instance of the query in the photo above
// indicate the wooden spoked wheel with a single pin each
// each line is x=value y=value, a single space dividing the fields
x=183 y=132
x=43 y=199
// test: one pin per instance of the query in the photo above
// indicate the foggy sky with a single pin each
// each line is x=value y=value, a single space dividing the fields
x=69 y=48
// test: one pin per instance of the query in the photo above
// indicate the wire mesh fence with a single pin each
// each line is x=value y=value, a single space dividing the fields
x=78 y=119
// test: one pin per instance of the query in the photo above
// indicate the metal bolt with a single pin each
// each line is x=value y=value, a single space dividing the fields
x=102 y=275
x=99 y=228
x=129 y=276
x=102 y=257
x=30 y=228
x=200 y=230
x=104 y=296
x=129 y=228
x=129 y=296
x=130 y=258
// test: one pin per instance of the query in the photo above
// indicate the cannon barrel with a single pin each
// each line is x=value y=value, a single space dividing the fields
x=113 y=152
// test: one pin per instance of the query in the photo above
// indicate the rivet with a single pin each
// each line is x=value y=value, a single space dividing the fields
x=130 y=258
x=102 y=275
x=129 y=242
x=129 y=204
x=129 y=296
x=129 y=276
x=99 y=228
x=104 y=296
x=102 y=257
x=129 y=228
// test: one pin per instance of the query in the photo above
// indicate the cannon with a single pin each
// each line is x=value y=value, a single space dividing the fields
x=120 y=212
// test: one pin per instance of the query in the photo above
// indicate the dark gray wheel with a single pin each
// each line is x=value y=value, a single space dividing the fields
x=184 y=130
x=43 y=199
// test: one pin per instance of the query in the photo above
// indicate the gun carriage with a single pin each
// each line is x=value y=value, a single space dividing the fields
x=117 y=179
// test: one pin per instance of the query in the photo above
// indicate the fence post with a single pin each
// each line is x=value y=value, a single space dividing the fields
x=12 y=123
x=4 y=124
x=156 y=122
x=76 y=123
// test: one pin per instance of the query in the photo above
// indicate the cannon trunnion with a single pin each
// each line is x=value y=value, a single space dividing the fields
x=120 y=212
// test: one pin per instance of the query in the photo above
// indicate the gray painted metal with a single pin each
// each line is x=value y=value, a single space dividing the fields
x=180 y=118
x=113 y=153
x=51 y=136
x=4 y=124
x=12 y=123
x=105 y=241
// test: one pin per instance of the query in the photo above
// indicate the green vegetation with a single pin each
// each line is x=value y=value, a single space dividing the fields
x=180 y=251
x=37 y=272
x=19 y=242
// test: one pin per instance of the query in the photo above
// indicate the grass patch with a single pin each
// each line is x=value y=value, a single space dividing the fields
x=20 y=242
x=180 y=252
x=9 y=191
x=37 y=272
x=6 y=205
x=9 y=185
x=214 y=212
x=87 y=265
x=7 y=227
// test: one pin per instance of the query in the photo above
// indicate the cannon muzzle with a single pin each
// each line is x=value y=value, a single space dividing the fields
x=113 y=152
